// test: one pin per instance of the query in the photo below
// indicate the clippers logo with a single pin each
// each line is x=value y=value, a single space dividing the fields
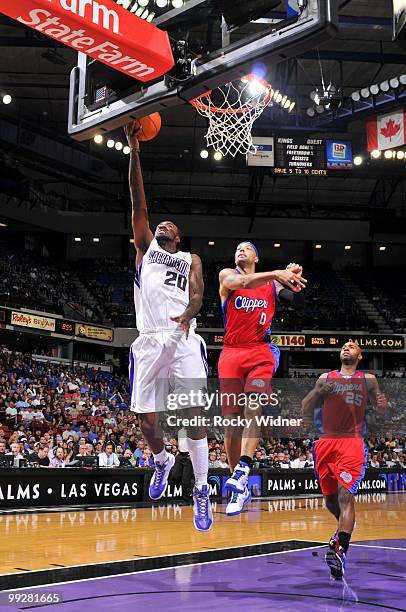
x=100 y=28
x=346 y=477
x=248 y=304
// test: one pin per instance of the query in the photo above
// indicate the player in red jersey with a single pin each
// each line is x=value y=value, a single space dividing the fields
x=248 y=360
x=338 y=404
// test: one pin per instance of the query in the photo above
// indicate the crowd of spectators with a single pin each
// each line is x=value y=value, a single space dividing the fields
x=55 y=416
x=101 y=291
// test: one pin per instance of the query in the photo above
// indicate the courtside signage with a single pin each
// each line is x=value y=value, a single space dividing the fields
x=100 y=28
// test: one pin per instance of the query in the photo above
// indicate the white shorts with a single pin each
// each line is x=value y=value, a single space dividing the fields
x=166 y=369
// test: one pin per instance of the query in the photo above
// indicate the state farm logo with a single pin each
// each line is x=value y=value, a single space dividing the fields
x=90 y=40
x=91 y=9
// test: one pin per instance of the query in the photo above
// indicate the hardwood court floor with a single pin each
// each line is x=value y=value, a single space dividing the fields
x=48 y=540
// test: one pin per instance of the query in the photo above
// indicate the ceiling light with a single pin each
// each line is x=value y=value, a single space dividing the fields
x=382 y=248
x=126 y=150
x=356 y=97
x=143 y=2
x=150 y=17
x=77 y=239
x=376 y=154
x=275 y=93
x=317 y=246
x=3 y=225
x=110 y=143
x=98 y=139
x=131 y=240
x=277 y=245
x=287 y=103
x=358 y=160
x=402 y=79
x=365 y=93
x=347 y=247
x=374 y=89
x=400 y=155
x=278 y=98
x=394 y=83
x=292 y=106
x=177 y=3
x=388 y=154
x=161 y=3
x=7 y=99
x=384 y=86
x=119 y=146
x=256 y=88
x=204 y=154
x=284 y=100
x=95 y=239
x=218 y=156
x=211 y=243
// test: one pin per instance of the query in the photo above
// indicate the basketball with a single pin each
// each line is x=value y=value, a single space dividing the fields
x=149 y=127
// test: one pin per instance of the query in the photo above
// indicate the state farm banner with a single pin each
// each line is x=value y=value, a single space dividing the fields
x=100 y=28
x=386 y=131
x=26 y=319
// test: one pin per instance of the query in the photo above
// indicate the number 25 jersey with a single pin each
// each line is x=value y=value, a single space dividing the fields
x=161 y=289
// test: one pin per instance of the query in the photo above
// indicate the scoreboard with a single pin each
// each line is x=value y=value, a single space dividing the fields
x=298 y=155
x=301 y=156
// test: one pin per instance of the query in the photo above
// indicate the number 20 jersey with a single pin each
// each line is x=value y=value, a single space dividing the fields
x=161 y=289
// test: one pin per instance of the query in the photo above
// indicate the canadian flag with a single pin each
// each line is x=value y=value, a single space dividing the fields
x=387 y=131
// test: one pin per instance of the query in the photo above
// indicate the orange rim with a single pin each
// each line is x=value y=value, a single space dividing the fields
x=199 y=104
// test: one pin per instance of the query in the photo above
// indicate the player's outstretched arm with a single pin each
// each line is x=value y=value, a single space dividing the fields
x=231 y=280
x=323 y=387
x=140 y=221
x=196 y=290
x=376 y=397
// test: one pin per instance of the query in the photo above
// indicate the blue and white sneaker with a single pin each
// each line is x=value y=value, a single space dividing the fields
x=202 y=514
x=238 y=502
x=336 y=560
x=159 y=478
x=239 y=480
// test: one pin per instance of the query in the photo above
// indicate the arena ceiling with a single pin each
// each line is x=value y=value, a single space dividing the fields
x=35 y=71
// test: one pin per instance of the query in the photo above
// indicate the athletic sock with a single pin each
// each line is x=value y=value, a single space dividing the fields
x=247 y=460
x=344 y=540
x=199 y=456
x=161 y=457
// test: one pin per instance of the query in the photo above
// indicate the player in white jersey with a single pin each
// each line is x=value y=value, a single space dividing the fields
x=168 y=358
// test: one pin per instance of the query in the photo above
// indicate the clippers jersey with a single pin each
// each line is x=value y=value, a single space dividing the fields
x=342 y=413
x=161 y=289
x=247 y=315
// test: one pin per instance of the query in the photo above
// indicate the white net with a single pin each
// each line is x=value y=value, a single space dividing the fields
x=231 y=110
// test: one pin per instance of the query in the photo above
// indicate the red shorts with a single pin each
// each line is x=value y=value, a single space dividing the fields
x=244 y=370
x=339 y=461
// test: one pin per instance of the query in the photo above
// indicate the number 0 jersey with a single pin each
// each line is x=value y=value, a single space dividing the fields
x=247 y=315
x=161 y=289
x=342 y=413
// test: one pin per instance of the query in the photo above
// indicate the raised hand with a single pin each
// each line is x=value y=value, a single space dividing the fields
x=291 y=279
x=131 y=131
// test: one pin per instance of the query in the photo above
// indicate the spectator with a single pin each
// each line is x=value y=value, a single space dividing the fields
x=15 y=452
x=40 y=456
x=58 y=460
x=127 y=459
x=222 y=462
x=108 y=458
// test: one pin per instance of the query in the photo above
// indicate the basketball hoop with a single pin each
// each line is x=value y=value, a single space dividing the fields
x=231 y=110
